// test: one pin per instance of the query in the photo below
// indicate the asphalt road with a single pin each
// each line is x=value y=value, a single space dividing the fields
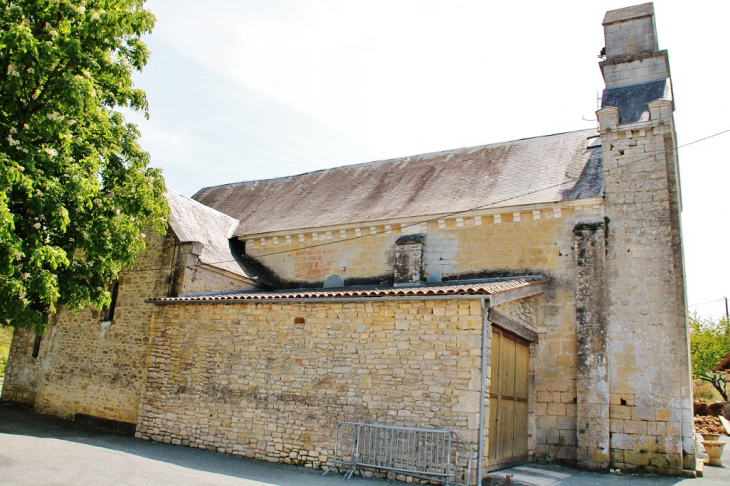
x=38 y=449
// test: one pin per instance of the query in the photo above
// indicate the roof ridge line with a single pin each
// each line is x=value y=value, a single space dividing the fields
x=382 y=161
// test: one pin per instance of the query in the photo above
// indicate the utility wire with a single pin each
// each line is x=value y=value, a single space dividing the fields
x=448 y=215
x=476 y=208
x=708 y=302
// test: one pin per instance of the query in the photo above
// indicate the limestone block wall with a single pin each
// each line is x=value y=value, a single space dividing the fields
x=650 y=399
x=592 y=397
x=92 y=367
x=515 y=241
x=191 y=276
x=522 y=311
x=523 y=239
x=22 y=371
x=98 y=368
x=272 y=380
x=647 y=68
x=630 y=31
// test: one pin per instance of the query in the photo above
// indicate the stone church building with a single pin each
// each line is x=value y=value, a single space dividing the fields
x=528 y=296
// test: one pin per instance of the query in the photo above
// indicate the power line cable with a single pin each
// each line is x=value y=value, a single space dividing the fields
x=476 y=208
x=708 y=302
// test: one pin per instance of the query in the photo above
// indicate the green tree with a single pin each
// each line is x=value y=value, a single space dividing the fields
x=76 y=192
x=709 y=344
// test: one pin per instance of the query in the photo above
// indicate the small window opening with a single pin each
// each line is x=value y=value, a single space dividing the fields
x=36 y=346
x=107 y=313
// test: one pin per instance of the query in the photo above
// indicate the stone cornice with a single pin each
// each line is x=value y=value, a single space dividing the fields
x=452 y=221
x=634 y=57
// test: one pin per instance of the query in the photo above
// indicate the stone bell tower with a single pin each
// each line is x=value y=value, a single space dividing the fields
x=649 y=409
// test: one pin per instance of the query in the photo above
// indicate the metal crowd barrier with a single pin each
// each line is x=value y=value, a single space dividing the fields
x=432 y=454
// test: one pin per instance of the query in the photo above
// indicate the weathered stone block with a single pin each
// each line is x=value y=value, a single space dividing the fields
x=637 y=457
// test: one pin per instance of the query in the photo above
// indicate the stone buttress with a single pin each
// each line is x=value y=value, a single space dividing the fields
x=650 y=412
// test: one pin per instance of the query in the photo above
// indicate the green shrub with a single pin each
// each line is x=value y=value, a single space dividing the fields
x=709 y=344
x=706 y=391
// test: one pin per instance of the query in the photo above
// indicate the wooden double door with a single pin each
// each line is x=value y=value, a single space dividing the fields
x=508 y=395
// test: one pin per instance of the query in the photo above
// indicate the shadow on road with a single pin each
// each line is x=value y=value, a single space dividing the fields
x=40 y=449
x=19 y=421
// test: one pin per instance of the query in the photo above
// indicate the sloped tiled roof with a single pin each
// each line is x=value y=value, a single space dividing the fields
x=477 y=287
x=534 y=170
x=192 y=221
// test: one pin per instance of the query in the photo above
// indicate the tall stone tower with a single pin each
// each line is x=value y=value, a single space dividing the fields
x=648 y=425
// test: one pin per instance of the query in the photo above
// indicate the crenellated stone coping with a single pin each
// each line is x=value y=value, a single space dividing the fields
x=661 y=122
x=517 y=214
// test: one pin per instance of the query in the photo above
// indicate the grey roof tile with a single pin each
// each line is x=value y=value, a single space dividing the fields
x=192 y=221
x=534 y=170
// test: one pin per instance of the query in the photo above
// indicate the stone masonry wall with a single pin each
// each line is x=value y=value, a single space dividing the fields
x=640 y=70
x=650 y=396
x=190 y=277
x=650 y=400
x=517 y=242
x=522 y=311
x=271 y=381
x=21 y=374
x=92 y=367
x=98 y=368
x=592 y=346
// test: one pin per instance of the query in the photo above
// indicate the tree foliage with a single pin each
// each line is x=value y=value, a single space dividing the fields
x=709 y=344
x=76 y=191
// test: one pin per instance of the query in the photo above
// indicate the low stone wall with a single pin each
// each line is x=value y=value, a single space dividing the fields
x=271 y=381
x=99 y=368
x=21 y=377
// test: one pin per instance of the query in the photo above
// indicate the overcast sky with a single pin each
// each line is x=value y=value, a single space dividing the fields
x=243 y=90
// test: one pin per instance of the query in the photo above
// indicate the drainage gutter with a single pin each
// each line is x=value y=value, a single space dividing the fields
x=483 y=387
